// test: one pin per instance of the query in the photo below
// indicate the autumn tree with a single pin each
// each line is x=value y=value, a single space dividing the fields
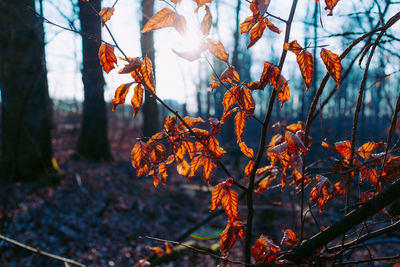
x=26 y=113
x=192 y=146
x=93 y=141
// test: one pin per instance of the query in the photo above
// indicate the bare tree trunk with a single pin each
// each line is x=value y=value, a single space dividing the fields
x=93 y=141
x=26 y=114
x=150 y=108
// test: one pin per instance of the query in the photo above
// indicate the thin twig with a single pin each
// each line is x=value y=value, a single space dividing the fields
x=40 y=252
x=261 y=147
x=202 y=251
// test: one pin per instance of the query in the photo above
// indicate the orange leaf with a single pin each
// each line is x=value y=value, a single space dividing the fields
x=240 y=122
x=120 y=94
x=230 y=98
x=215 y=126
x=201 y=3
x=264 y=250
x=246 y=150
x=330 y=4
x=271 y=26
x=306 y=65
x=105 y=14
x=147 y=73
x=261 y=171
x=217 y=49
x=192 y=121
x=295 y=142
x=333 y=65
x=168 y=248
x=246 y=100
x=183 y=168
x=208 y=166
x=230 y=234
x=133 y=65
x=162 y=19
x=319 y=193
x=293 y=47
x=196 y=163
x=247 y=24
x=216 y=196
x=137 y=99
x=249 y=168
x=266 y=182
x=289 y=238
x=367 y=149
x=229 y=75
x=344 y=149
x=107 y=57
x=157 y=250
x=229 y=203
x=257 y=32
x=215 y=149
x=227 y=115
x=206 y=22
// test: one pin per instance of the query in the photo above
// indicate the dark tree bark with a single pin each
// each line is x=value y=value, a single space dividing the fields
x=93 y=142
x=26 y=113
x=150 y=108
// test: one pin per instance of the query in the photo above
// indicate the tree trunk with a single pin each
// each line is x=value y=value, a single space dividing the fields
x=93 y=142
x=150 y=108
x=26 y=114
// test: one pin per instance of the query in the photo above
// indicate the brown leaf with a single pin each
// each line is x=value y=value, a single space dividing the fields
x=230 y=98
x=190 y=121
x=229 y=75
x=183 y=168
x=229 y=203
x=162 y=19
x=230 y=234
x=147 y=73
x=330 y=4
x=107 y=57
x=249 y=168
x=367 y=149
x=106 y=14
x=201 y=3
x=133 y=65
x=319 y=193
x=217 y=49
x=240 y=122
x=306 y=65
x=333 y=65
x=205 y=26
x=208 y=166
x=293 y=47
x=246 y=150
x=257 y=32
x=180 y=24
x=272 y=27
x=265 y=250
x=227 y=115
x=247 y=24
x=137 y=99
x=120 y=94
x=289 y=238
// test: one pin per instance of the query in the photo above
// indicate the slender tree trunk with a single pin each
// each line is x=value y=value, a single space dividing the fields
x=150 y=108
x=26 y=114
x=93 y=142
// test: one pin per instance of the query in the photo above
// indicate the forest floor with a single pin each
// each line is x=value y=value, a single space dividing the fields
x=99 y=213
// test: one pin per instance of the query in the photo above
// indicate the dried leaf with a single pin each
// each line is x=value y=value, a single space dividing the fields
x=229 y=75
x=107 y=57
x=330 y=4
x=306 y=65
x=247 y=24
x=293 y=47
x=105 y=14
x=289 y=238
x=249 y=168
x=137 y=99
x=217 y=49
x=230 y=234
x=257 y=32
x=265 y=250
x=147 y=73
x=333 y=65
x=272 y=27
x=246 y=150
x=367 y=149
x=162 y=19
x=240 y=122
x=205 y=26
x=120 y=94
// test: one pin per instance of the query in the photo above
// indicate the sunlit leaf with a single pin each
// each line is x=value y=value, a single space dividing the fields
x=333 y=65
x=137 y=99
x=107 y=57
x=105 y=14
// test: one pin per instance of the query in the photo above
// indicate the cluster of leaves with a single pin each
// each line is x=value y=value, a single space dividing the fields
x=192 y=142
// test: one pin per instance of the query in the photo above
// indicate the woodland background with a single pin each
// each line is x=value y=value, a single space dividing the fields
x=67 y=184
